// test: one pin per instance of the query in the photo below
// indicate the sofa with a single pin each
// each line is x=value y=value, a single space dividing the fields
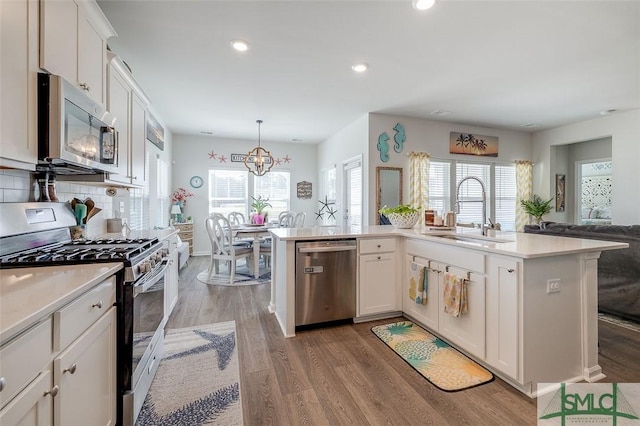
x=618 y=270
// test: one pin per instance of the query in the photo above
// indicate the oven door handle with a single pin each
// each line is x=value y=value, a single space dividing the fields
x=153 y=277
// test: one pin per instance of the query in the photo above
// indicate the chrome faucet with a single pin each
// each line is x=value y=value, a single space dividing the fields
x=484 y=201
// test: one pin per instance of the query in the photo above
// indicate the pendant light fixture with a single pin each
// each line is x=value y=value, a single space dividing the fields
x=259 y=161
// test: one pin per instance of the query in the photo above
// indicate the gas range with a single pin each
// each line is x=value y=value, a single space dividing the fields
x=48 y=242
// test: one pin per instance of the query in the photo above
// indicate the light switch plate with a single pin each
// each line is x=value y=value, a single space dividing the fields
x=553 y=286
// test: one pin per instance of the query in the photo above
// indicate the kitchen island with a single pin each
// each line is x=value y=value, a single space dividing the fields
x=532 y=301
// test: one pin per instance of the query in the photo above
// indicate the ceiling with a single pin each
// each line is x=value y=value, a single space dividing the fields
x=499 y=64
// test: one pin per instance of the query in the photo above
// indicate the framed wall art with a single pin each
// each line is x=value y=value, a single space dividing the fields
x=560 y=192
x=470 y=144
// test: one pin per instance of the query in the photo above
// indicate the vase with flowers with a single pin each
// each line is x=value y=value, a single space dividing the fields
x=179 y=198
x=259 y=204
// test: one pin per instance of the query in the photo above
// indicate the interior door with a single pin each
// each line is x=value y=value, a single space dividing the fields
x=352 y=190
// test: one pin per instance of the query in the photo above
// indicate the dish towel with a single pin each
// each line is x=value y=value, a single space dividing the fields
x=418 y=283
x=455 y=295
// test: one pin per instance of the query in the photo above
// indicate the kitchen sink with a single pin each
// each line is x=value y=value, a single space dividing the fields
x=476 y=239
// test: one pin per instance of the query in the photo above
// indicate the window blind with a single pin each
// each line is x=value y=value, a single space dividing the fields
x=276 y=187
x=470 y=192
x=440 y=186
x=228 y=191
x=505 y=197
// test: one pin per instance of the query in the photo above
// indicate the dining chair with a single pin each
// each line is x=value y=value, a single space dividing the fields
x=222 y=246
x=298 y=221
x=236 y=218
x=286 y=219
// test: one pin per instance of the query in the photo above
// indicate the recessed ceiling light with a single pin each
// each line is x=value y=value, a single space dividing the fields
x=360 y=67
x=296 y=140
x=440 y=112
x=423 y=4
x=205 y=132
x=530 y=125
x=607 y=112
x=240 y=45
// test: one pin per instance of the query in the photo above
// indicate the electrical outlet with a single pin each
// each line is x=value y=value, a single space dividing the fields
x=553 y=286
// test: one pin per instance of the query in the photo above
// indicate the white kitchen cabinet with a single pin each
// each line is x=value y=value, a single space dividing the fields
x=466 y=331
x=171 y=284
x=503 y=334
x=379 y=283
x=138 y=140
x=61 y=370
x=427 y=314
x=119 y=105
x=18 y=83
x=86 y=375
x=32 y=407
x=73 y=37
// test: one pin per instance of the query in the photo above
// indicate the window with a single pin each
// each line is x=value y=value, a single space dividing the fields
x=228 y=191
x=231 y=191
x=164 y=203
x=353 y=192
x=274 y=186
x=500 y=185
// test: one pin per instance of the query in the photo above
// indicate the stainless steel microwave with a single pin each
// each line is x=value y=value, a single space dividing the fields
x=75 y=134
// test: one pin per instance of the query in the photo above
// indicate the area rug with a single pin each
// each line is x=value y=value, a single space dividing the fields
x=446 y=368
x=198 y=380
x=619 y=322
x=243 y=276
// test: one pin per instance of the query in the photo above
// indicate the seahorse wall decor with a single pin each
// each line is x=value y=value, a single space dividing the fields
x=399 y=138
x=383 y=146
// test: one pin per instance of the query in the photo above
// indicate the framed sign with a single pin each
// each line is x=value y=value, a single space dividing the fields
x=304 y=190
x=469 y=144
x=155 y=132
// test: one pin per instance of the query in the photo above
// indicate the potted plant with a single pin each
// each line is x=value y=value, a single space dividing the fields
x=402 y=216
x=536 y=207
x=259 y=204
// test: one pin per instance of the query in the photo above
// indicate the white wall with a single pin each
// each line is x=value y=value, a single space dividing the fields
x=346 y=144
x=624 y=130
x=191 y=158
x=433 y=137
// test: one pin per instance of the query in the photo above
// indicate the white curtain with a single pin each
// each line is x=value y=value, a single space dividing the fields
x=524 y=178
x=419 y=179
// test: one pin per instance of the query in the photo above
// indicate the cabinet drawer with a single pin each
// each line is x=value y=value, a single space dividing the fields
x=23 y=359
x=187 y=227
x=70 y=321
x=378 y=245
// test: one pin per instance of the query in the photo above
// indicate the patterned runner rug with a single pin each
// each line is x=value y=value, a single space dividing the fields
x=436 y=361
x=198 y=380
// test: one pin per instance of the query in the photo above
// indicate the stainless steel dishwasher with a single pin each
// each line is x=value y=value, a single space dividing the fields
x=325 y=281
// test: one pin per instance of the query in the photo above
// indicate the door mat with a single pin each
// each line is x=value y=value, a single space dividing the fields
x=443 y=366
x=198 y=380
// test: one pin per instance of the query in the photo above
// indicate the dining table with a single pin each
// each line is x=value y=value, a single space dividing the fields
x=256 y=231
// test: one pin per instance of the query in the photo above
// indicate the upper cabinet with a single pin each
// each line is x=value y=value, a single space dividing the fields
x=18 y=83
x=127 y=102
x=73 y=37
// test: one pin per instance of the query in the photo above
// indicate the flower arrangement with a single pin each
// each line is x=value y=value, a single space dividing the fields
x=537 y=206
x=259 y=204
x=180 y=196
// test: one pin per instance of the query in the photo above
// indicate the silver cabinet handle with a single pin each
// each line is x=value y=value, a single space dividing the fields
x=97 y=305
x=85 y=87
x=3 y=383
x=379 y=258
x=379 y=245
x=53 y=392
x=71 y=369
x=510 y=270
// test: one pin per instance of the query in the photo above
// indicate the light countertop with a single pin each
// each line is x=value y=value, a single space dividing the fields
x=516 y=244
x=29 y=294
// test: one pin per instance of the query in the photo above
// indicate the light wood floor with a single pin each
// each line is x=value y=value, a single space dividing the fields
x=345 y=376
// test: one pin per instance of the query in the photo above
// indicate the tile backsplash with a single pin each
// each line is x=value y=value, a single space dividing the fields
x=20 y=186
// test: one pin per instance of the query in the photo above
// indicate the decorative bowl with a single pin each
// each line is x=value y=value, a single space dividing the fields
x=404 y=220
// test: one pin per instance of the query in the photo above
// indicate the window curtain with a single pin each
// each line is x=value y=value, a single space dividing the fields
x=524 y=178
x=419 y=179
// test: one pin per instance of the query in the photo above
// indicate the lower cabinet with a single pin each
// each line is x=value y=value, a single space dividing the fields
x=378 y=277
x=32 y=407
x=62 y=369
x=502 y=321
x=466 y=331
x=85 y=372
x=171 y=284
